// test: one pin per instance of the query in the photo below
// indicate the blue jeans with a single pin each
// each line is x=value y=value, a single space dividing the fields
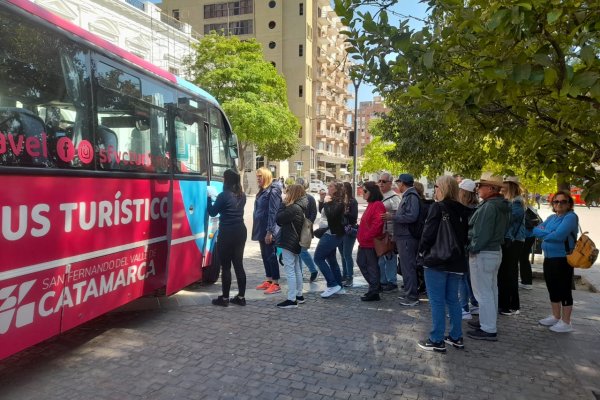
x=326 y=259
x=465 y=291
x=388 y=269
x=269 y=257
x=442 y=290
x=307 y=259
x=345 y=248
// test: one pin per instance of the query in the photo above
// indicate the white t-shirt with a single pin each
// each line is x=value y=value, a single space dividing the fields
x=391 y=201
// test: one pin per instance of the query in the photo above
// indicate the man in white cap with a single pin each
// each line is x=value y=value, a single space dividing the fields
x=487 y=227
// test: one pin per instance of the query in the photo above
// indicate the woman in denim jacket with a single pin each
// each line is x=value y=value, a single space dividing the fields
x=514 y=239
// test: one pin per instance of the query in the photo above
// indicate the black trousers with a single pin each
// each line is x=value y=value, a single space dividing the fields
x=508 y=276
x=558 y=275
x=524 y=263
x=232 y=240
x=368 y=263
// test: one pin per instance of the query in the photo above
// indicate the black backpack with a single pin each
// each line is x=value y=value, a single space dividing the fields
x=416 y=228
x=532 y=219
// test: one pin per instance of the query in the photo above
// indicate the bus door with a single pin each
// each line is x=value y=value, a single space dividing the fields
x=188 y=224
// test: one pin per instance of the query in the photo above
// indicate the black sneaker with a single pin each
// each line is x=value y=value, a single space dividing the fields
x=478 y=334
x=390 y=287
x=370 y=296
x=313 y=276
x=432 y=346
x=240 y=301
x=288 y=304
x=474 y=324
x=300 y=300
x=457 y=344
x=220 y=301
x=347 y=282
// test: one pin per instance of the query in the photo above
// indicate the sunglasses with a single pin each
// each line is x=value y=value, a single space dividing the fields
x=562 y=202
x=380 y=181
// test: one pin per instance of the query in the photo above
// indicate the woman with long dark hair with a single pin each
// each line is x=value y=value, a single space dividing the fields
x=371 y=226
x=559 y=234
x=232 y=236
x=334 y=206
x=347 y=245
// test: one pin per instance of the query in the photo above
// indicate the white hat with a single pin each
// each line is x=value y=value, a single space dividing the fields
x=467 y=184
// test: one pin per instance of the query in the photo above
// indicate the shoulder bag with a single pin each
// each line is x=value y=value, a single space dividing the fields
x=446 y=247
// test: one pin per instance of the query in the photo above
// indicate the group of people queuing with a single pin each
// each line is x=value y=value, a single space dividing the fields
x=466 y=247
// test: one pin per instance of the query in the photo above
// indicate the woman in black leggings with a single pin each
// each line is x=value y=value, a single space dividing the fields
x=232 y=236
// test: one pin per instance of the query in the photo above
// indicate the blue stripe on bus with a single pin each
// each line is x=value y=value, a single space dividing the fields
x=196 y=90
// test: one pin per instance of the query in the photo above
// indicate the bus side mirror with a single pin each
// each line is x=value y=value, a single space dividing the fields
x=233 y=146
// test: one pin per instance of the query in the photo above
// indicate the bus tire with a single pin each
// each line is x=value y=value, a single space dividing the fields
x=211 y=273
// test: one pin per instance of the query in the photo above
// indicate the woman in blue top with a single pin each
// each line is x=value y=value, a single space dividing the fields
x=559 y=233
x=232 y=236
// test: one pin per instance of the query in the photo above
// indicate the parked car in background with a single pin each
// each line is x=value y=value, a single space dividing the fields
x=316 y=185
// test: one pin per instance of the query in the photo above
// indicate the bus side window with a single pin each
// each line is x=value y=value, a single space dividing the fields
x=218 y=143
x=190 y=143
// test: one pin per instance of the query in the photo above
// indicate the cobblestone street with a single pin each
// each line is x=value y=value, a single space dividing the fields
x=182 y=347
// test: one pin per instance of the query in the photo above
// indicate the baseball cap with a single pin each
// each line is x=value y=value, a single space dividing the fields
x=406 y=178
x=467 y=184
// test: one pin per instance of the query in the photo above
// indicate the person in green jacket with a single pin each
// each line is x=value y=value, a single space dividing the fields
x=487 y=228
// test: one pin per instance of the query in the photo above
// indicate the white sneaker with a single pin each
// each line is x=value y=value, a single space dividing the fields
x=341 y=291
x=331 y=291
x=526 y=287
x=561 y=326
x=548 y=321
x=474 y=310
x=466 y=315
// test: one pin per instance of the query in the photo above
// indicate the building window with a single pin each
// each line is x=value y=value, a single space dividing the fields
x=300 y=91
x=272 y=45
x=272 y=24
x=301 y=9
x=241 y=27
x=300 y=50
x=272 y=4
x=175 y=14
x=300 y=133
x=226 y=9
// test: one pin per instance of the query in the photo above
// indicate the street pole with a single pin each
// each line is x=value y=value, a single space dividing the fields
x=356 y=81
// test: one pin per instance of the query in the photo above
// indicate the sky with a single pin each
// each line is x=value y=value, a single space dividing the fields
x=404 y=8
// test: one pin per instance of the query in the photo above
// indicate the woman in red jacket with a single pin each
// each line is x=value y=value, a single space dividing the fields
x=371 y=225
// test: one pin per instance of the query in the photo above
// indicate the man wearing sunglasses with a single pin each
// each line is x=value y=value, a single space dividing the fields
x=487 y=228
x=387 y=263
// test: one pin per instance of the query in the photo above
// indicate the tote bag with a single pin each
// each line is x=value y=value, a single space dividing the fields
x=446 y=247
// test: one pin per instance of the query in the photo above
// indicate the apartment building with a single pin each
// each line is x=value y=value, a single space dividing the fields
x=367 y=110
x=138 y=27
x=302 y=40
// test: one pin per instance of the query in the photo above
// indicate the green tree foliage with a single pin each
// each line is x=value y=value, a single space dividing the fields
x=515 y=83
x=376 y=157
x=251 y=92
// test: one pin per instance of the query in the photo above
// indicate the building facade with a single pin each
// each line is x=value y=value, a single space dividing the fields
x=138 y=27
x=367 y=110
x=302 y=39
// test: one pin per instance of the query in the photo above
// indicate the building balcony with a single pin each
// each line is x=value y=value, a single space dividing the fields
x=322 y=56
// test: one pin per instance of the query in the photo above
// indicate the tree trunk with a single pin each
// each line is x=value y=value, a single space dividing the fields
x=562 y=183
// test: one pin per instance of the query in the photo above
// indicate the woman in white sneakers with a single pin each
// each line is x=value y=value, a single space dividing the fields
x=559 y=233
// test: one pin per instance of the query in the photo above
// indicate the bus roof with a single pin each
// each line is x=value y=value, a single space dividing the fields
x=54 y=19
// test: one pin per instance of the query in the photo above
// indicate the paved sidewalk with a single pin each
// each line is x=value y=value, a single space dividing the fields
x=184 y=348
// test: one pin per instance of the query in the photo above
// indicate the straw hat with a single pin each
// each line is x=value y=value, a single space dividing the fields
x=488 y=178
x=513 y=179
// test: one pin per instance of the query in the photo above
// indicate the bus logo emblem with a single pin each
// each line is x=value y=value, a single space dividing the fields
x=11 y=304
